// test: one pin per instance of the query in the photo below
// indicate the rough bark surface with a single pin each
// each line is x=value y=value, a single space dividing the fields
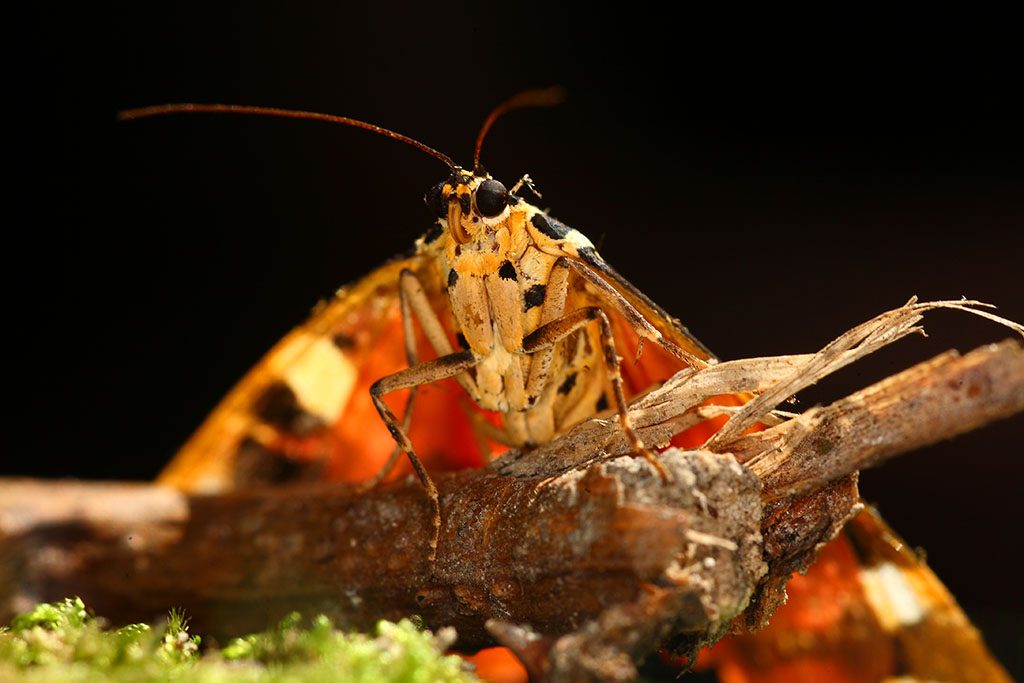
x=553 y=553
x=577 y=556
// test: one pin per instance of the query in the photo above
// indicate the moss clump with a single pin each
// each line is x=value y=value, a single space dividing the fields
x=63 y=642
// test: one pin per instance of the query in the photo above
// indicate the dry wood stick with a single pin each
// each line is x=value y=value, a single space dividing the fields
x=595 y=554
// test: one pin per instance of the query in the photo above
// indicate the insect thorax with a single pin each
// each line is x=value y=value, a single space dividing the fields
x=499 y=277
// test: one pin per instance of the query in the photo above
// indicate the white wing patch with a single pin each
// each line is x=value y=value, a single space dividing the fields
x=892 y=596
x=321 y=377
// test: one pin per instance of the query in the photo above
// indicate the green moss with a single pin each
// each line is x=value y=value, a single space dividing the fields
x=62 y=642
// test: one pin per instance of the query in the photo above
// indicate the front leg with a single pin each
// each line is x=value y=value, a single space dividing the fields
x=422 y=373
x=415 y=304
x=555 y=331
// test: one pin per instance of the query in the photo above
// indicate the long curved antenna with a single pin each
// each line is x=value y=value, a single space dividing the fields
x=191 y=108
x=542 y=97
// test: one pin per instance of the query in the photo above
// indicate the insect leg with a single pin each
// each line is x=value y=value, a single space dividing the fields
x=412 y=358
x=557 y=330
x=552 y=308
x=636 y=320
x=414 y=302
x=410 y=378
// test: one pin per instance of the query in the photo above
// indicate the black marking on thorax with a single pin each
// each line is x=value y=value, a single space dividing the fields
x=453 y=277
x=549 y=226
x=507 y=271
x=534 y=296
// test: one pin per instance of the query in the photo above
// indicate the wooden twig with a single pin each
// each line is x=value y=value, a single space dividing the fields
x=524 y=550
x=933 y=401
x=592 y=551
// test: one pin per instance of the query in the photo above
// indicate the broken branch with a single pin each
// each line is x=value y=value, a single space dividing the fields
x=576 y=539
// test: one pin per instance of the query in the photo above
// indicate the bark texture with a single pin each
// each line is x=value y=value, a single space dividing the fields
x=577 y=556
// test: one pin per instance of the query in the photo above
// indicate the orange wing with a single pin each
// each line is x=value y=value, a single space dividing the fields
x=869 y=609
x=304 y=411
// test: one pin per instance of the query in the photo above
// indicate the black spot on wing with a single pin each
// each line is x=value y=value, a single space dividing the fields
x=507 y=271
x=534 y=296
x=256 y=464
x=602 y=403
x=343 y=341
x=549 y=226
x=568 y=384
x=279 y=407
x=453 y=277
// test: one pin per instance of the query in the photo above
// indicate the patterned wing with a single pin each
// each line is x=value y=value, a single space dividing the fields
x=869 y=609
x=304 y=411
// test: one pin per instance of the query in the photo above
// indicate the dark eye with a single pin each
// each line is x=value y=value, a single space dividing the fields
x=491 y=198
x=435 y=200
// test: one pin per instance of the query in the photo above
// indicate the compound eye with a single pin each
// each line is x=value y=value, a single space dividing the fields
x=435 y=201
x=491 y=198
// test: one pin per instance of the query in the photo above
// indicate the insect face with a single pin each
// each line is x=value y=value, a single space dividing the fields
x=469 y=205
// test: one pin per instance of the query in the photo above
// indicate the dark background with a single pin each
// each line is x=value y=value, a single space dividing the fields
x=771 y=187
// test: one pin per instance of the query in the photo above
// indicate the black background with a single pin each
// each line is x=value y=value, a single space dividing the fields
x=770 y=187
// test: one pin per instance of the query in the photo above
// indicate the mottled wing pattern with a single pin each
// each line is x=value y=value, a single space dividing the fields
x=304 y=411
x=869 y=609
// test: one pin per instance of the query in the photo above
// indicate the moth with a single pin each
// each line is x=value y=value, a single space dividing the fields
x=515 y=307
x=504 y=327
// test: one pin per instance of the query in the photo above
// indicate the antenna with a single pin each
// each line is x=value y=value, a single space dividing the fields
x=192 y=108
x=542 y=97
